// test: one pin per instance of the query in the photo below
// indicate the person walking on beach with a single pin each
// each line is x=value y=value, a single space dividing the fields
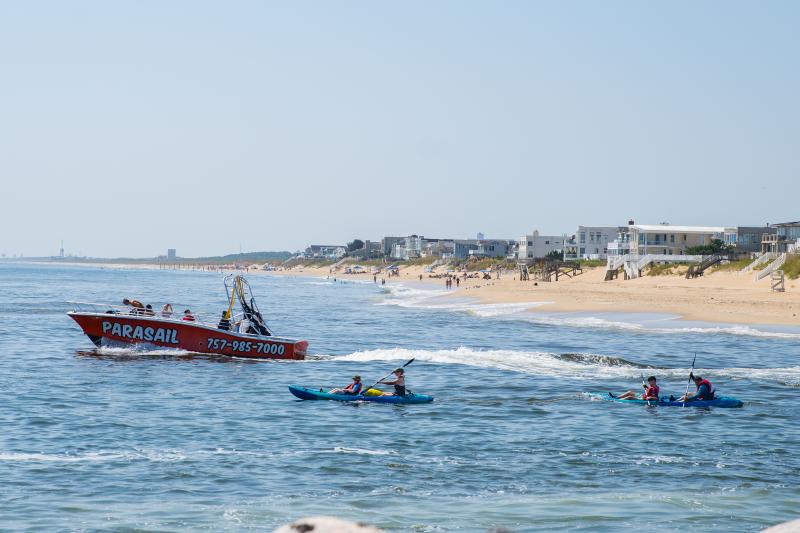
x=399 y=383
x=651 y=390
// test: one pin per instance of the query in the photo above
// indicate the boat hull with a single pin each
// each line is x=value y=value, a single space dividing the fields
x=116 y=329
x=305 y=393
x=720 y=401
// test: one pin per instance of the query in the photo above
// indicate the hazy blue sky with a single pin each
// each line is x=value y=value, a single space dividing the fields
x=130 y=127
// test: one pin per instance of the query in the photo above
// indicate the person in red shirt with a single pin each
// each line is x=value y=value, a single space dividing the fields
x=650 y=392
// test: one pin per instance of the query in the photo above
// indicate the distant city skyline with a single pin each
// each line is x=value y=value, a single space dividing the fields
x=127 y=129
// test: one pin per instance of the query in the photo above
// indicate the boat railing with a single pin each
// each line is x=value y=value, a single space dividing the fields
x=175 y=316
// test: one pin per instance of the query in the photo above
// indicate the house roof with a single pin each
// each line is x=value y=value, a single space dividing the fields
x=680 y=229
x=788 y=224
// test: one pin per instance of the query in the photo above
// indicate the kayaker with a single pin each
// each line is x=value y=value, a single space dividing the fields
x=650 y=391
x=354 y=388
x=399 y=383
x=705 y=390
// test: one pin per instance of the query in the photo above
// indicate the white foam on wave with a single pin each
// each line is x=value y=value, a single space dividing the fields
x=362 y=451
x=61 y=458
x=574 y=366
x=430 y=299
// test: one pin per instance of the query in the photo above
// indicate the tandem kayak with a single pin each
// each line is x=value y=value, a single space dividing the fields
x=304 y=393
x=664 y=401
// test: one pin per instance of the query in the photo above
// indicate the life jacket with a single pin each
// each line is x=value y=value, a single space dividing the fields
x=651 y=392
x=354 y=387
x=710 y=388
x=188 y=318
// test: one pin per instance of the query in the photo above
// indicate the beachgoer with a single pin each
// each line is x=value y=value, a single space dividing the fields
x=188 y=316
x=399 y=383
x=148 y=310
x=420 y=277
x=166 y=311
x=705 y=390
x=458 y=282
x=354 y=388
x=224 y=322
x=650 y=391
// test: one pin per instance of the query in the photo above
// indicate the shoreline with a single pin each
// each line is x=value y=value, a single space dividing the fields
x=719 y=297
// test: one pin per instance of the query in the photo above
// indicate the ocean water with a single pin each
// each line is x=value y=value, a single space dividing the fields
x=151 y=441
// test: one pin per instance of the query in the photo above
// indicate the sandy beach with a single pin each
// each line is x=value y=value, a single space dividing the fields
x=722 y=296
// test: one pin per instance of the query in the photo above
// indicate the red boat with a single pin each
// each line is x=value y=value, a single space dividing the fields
x=240 y=333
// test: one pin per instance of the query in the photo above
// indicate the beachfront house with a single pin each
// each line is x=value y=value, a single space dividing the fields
x=535 y=246
x=387 y=243
x=747 y=239
x=786 y=238
x=590 y=242
x=666 y=239
x=325 y=251
x=462 y=248
x=492 y=248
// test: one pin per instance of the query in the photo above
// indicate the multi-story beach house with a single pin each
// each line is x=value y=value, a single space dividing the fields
x=492 y=248
x=325 y=251
x=786 y=238
x=463 y=247
x=666 y=239
x=590 y=242
x=535 y=246
x=747 y=239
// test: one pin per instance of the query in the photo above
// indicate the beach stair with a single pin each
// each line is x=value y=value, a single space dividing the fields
x=761 y=258
x=772 y=267
x=695 y=271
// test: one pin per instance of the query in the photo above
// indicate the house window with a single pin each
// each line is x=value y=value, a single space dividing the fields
x=672 y=238
x=547 y=242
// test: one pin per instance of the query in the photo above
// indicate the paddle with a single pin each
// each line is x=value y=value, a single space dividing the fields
x=691 y=372
x=364 y=391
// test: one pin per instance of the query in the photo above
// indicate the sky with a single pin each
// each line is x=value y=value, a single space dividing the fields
x=127 y=128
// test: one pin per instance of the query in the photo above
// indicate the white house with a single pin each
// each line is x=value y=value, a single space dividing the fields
x=590 y=242
x=537 y=246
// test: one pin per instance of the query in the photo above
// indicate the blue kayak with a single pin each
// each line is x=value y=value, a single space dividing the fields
x=664 y=401
x=304 y=393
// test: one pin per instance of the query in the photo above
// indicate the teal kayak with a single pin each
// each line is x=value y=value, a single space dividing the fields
x=305 y=393
x=664 y=401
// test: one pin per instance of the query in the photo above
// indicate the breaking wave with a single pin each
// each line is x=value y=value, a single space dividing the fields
x=568 y=365
x=402 y=296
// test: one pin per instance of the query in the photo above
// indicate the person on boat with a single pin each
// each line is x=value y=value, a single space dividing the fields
x=399 y=383
x=650 y=391
x=354 y=388
x=224 y=322
x=166 y=311
x=148 y=310
x=705 y=390
x=137 y=308
x=188 y=316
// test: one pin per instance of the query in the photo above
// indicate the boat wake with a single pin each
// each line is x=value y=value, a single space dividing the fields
x=567 y=365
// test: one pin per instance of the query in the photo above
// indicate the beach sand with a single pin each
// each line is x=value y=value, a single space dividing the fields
x=721 y=297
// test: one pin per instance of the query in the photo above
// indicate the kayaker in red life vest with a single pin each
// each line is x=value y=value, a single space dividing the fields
x=354 y=388
x=705 y=390
x=399 y=383
x=650 y=391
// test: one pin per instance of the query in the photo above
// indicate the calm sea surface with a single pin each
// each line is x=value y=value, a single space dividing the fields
x=118 y=440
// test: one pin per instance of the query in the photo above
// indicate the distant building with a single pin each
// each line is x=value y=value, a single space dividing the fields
x=535 y=246
x=590 y=242
x=480 y=236
x=387 y=243
x=171 y=255
x=325 y=251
